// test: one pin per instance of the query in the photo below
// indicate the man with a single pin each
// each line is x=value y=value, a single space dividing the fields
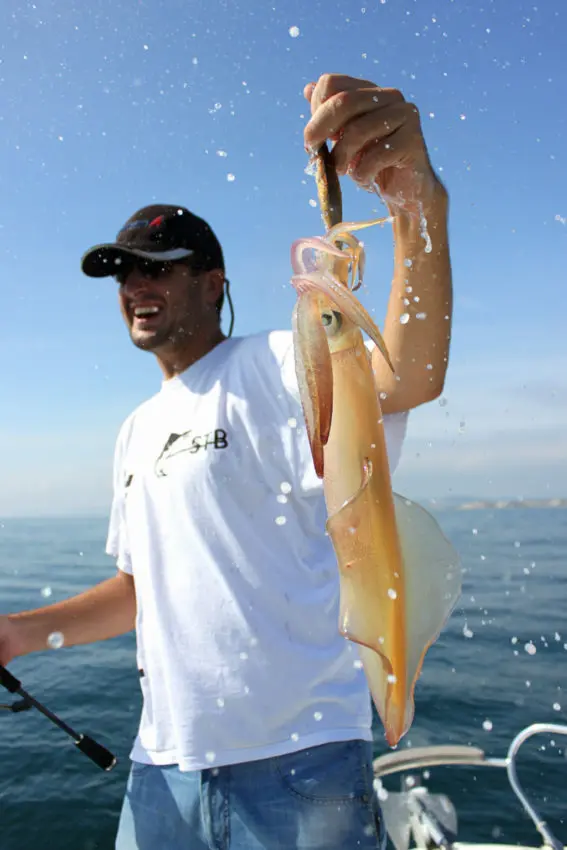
x=256 y=724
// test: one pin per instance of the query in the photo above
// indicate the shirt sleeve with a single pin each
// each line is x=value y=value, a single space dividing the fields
x=117 y=545
x=395 y=424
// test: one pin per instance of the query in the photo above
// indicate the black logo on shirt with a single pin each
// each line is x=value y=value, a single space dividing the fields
x=189 y=442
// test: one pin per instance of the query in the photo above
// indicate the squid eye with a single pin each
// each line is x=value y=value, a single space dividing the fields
x=332 y=321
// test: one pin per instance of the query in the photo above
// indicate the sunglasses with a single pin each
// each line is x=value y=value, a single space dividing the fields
x=151 y=269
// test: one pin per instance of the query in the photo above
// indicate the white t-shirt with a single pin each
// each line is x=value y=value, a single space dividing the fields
x=219 y=515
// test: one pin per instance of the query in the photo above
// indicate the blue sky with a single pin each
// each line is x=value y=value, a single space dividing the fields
x=105 y=107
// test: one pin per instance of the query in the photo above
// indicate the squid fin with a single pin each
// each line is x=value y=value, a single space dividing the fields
x=399 y=581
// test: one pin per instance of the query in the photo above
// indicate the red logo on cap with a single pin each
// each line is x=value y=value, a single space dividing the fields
x=156 y=222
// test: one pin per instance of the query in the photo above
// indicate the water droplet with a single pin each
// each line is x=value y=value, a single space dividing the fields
x=55 y=640
x=292 y=422
x=210 y=756
x=556 y=706
x=222 y=153
x=408 y=263
x=382 y=793
x=231 y=178
x=243 y=656
x=514 y=640
x=220 y=702
x=294 y=32
x=462 y=116
x=468 y=633
x=281 y=499
x=294 y=736
x=392 y=679
x=46 y=592
x=281 y=520
x=285 y=487
x=421 y=316
x=194 y=60
x=357 y=664
x=392 y=593
x=429 y=366
x=443 y=402
x=487 y=725
x=317 y=715
x=530 y=648
x=312 y=203
x=404 y=318
x=146 y=47
x=475 y=531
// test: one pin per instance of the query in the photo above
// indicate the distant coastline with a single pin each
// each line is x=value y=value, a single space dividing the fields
x=464 y=503
x=507 y=504
x=450 y=503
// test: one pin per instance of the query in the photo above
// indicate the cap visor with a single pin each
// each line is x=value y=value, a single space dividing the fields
x=106 y=260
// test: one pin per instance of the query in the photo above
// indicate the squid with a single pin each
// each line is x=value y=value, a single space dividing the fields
x=400 y=577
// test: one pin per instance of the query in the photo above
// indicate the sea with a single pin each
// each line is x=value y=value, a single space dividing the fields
x=499 y=666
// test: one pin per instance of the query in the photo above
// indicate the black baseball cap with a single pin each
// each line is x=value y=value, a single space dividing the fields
x=161 y=232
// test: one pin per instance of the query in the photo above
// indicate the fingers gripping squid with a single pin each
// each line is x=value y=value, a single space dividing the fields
x=399 y=576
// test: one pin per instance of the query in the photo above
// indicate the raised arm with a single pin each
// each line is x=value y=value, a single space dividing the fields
x=379 y=141
x=417 y=329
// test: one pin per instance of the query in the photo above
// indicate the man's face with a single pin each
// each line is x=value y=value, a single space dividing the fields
x=162 y=304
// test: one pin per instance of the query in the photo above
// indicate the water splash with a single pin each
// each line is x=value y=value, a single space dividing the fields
x=423 y=229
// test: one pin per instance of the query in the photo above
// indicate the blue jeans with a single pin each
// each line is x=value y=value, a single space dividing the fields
x=315 y=799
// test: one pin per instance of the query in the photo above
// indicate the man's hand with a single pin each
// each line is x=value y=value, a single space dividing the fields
x=11 y=642
x=378 y=139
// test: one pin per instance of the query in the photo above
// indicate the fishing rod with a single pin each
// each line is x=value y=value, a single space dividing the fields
x=102 y=757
